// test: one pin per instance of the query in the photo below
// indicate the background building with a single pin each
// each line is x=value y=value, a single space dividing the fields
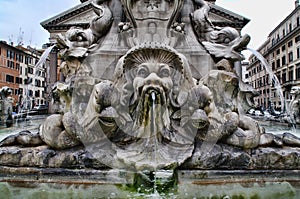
x=18 y=72
x=10 y=61
x=282 y=51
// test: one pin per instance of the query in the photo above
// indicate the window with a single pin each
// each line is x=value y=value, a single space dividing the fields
x=297 y=39
x=290 y=27
x=291 y=75
x=10 y=78
x=278 y=52
x=298 y=52
x=290 y=43
x=30 y=70
x=298 y=72
x=283 y=77
x=28 y=60
x=283 y=48
x=30 y=93
x=10 y=64
x=8 y=53
x=278 y=63
x=37 y=93
x=279 y=78
x=19 y=80
x=37 y=83
x=283 y=32
x=290 y=56
x=21 y=90
x=298 y=21
x=273 y=42
x=21 y=58
x=283 y=60
x=273 y=66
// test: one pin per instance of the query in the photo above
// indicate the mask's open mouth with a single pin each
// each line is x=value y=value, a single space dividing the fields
x=153 y=95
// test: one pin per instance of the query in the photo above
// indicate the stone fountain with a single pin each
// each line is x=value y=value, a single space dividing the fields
x=142 y=104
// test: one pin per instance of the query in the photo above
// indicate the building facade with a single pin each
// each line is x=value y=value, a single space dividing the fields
x=282 y=52
x=10 y=64
x=18 y=72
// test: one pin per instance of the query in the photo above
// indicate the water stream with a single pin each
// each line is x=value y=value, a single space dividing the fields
x=274 y=81
x=154 y=130
x=27 y=101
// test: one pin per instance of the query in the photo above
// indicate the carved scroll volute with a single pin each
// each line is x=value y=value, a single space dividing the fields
x=154 y=17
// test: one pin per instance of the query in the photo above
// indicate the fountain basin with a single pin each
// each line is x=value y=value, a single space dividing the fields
x=83 y=183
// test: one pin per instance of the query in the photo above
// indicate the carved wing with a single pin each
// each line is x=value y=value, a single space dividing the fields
x=220 y=50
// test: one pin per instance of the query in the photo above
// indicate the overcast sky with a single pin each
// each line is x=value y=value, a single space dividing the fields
x=27 y=16
x=17 y=16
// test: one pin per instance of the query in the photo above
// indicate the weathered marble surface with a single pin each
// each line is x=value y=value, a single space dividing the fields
x=220 y=157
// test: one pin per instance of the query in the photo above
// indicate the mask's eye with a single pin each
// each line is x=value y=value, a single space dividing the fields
x=164 y=71
x=142 y=72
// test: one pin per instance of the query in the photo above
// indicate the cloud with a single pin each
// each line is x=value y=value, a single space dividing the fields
x=27 y=16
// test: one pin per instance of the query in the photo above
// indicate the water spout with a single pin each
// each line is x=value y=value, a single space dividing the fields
x=153 y=96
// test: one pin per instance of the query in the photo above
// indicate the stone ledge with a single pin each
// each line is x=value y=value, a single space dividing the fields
x=222 y=157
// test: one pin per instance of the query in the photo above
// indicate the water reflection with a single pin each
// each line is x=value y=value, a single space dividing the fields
x=30 y=123
x=278 y=127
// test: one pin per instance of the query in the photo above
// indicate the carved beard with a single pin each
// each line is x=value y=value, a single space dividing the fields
x=152 y=114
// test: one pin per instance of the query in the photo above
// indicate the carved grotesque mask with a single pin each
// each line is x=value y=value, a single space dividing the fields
x=153 y=78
